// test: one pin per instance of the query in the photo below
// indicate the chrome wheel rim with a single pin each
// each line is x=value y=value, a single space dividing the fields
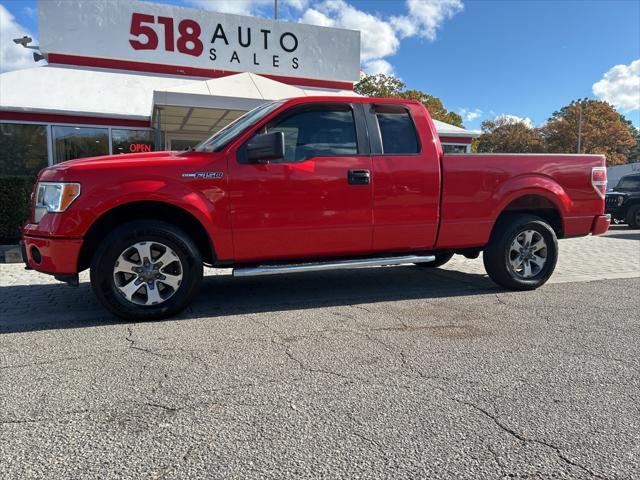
x=147 y=273
x=527 y=255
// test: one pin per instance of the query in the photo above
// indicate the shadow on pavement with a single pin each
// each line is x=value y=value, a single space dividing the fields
x=626 y=235
x=55 y=306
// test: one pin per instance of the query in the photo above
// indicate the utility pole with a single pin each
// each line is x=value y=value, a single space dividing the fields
x=275 y=9
x=580 y=129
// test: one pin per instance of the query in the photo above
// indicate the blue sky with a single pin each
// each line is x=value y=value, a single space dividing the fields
x=482 y=57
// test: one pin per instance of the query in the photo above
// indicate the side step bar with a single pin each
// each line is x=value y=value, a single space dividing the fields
x=333 y=265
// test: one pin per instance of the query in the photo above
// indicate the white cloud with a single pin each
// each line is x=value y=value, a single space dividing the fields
x=380 y=38
x=377 y=37
x=470 y=115
x=13 y=56
x=506 y=119
x=249 y=7
x=373 y=67
x=620 y=86
x=30 y=12
x=425 y=17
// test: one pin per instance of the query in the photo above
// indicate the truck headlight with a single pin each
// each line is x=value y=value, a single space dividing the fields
x=54 y=197
x=620 y=200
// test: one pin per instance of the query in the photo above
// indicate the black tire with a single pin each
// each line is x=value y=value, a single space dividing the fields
x=633 y=217
x=181 y=246
x=441 y=259
x=498 y=256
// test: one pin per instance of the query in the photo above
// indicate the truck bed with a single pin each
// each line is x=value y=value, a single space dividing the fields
x=477 y=187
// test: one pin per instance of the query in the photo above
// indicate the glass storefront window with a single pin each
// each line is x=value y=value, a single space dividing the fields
x=131 y=141
x=23 y=148
x=79 y=142
x=180 y=144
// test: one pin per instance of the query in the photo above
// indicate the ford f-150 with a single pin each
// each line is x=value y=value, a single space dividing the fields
x=305 y=184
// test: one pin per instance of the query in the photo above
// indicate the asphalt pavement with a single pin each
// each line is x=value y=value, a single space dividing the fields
x=395 y=372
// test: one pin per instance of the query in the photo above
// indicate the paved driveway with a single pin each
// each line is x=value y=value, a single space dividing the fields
x=376 y=373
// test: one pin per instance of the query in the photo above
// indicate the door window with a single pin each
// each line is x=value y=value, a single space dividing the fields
x=317 y=132
x=397 y=131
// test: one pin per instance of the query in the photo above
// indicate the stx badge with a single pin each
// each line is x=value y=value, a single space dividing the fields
x=203 y=175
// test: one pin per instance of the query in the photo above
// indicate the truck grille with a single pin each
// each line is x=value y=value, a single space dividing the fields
x=611 y=201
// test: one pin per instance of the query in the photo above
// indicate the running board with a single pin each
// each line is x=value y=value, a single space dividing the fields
x=334 y=265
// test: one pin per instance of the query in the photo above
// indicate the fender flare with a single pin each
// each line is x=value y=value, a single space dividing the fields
x=174 y=194
x=531 y=184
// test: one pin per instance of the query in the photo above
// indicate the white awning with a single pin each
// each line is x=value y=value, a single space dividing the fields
x=206 y=106
x=74 y=91
x=447 y=130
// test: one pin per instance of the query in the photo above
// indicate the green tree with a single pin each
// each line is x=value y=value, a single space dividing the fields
x=634 y=152
x=380 y=85
x=604 y=131
x=388 y=86
x=505 y=134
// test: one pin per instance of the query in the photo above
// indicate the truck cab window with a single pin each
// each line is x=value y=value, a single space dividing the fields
x=317 y=132
x=397 y=131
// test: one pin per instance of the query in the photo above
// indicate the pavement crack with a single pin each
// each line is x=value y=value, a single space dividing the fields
x=134 y=346
x=308 y=368
x=524 y=439
x=498 y=461
x=19 y=421
x=277 y=339
x=163 y=407
x=505 y=428
x=364 y=437
x=45 y=362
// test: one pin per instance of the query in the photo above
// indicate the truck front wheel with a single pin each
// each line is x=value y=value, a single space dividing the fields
x=522 y=252
x=146 y=270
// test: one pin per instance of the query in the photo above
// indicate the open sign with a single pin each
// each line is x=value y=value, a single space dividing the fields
x=139 y=147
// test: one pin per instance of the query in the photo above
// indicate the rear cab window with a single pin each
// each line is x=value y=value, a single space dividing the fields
x=397 y=130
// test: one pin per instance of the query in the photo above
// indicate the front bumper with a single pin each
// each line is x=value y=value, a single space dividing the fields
x=56 y=256
x=600 y=224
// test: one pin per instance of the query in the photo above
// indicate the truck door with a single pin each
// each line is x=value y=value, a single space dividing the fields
x=406 y=178
x=317 y=201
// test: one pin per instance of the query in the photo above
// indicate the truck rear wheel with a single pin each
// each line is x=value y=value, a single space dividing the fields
x=522 y=252
x=146 y=270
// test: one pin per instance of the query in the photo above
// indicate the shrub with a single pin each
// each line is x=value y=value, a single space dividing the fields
x=15 y=199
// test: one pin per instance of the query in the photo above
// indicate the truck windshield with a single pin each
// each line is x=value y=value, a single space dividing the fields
x=220 y=139
x=631 y=183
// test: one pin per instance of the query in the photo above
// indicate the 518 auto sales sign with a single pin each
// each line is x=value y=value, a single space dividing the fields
x=169 y=35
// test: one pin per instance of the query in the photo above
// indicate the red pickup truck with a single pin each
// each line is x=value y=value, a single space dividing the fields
x=305 y=184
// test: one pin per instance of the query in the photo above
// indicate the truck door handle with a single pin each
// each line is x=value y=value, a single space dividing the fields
x=359 y=177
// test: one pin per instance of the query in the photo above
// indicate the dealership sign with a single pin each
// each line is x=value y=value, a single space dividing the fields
x=124 y=30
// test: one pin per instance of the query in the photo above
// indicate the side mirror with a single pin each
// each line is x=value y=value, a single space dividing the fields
x=264 y=147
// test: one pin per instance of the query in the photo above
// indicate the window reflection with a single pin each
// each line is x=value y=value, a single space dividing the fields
x=23 y=148
x=79 y=142
x=448 y=148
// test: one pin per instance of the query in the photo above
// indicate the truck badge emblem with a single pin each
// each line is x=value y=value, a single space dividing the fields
x=203 y=175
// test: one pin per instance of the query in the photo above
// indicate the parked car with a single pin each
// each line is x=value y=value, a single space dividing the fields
x=306 y=184
x=623 y=202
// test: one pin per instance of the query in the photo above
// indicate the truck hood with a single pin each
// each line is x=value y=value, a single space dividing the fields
x=114 y=160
